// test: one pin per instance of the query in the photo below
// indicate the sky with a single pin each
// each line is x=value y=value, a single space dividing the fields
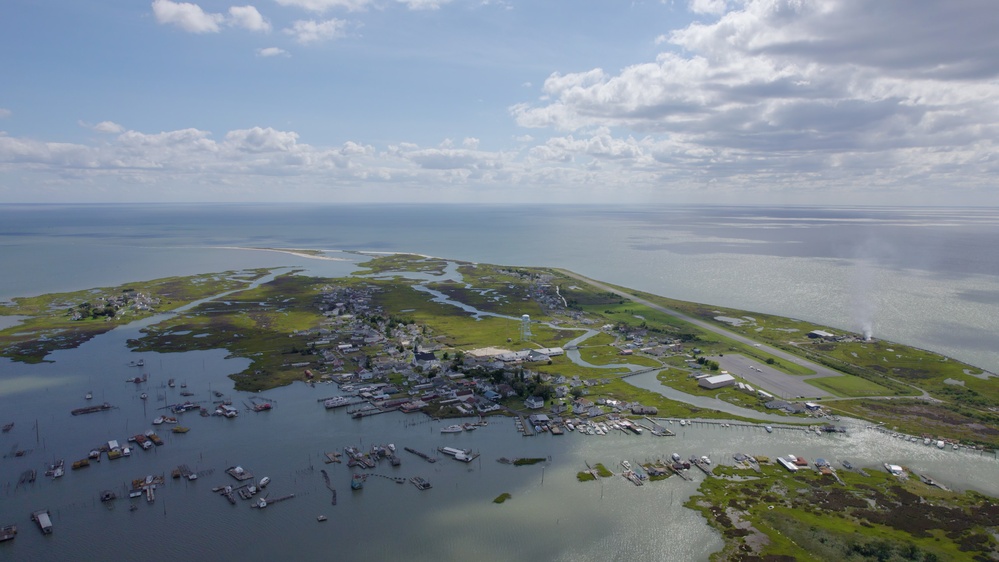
x=482 y=101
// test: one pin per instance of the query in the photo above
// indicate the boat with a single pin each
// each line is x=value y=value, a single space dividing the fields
x=8 y=532
x=80 y=464
x=89 y=396
x=108 y=495
x=143 y=396
x=169 y=419
x=44 y=521
x=181 y=429
x=705 y=460
x=452 y=429
x=91 y=409
x=95 y=454
x=7 y=427
x=769 y=429
x=626 y=465
x=158 y=420
x=941 y=444
x=265 y=481
x=357 y=481
x=469 y=427
x=170 y=383
x=683 y=422
x=262 y=503
x=420 y=483
x=55 y=469
x=262 y=407
x=676 y=457
x=183 y=385
x=187 y=393
x=321 y=518
x=336 y=402
x=847 y=465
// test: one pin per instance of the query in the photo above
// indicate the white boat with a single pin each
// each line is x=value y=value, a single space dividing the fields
x=89 y=396
x=265 y=481
x=769 y=429
x=705 y=459
x=158 y=421
x=321 y=518
x=940 y=444
x=676 y=457
x=626 y=465
x=336 y=402
x=452 y=429
x=682 y=422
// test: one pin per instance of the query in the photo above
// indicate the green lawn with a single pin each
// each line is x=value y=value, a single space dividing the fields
x=848 y=386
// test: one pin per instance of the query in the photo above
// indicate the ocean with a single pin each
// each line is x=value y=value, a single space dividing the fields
x=925 y=277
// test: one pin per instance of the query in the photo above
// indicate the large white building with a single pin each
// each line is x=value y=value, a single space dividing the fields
x=717 y=381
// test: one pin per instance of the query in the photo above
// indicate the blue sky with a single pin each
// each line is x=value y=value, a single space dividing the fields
x=699 y=101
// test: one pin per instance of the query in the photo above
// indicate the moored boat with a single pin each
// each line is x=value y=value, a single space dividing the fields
x=357 y=481
x=8 y=426
x=44 y=521
x=265 y=481
x=452 y=429
x=8 y=532
x=769 y=429
x=91 y=409
x=420 y=483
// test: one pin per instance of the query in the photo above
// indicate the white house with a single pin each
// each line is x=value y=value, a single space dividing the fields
x=535 y=402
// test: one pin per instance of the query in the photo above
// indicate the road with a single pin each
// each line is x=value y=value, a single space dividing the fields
x=820 y=370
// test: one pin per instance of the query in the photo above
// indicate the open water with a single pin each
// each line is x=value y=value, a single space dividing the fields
x=925 y=277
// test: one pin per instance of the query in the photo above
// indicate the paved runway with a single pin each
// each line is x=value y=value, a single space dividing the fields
x=781 y=385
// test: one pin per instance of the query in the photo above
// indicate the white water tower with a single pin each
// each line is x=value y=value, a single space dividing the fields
x=525 y=327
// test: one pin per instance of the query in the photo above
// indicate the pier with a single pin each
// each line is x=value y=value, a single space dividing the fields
x=658 y=430
x=420 y=454
x=329 y=486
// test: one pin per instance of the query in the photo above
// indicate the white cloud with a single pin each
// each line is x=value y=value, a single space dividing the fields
x=249 y=18
x=259 y=139
x=311 y=31
x=792 y=91
x=189 y=17
x=4 y=113
x=424 y=4
x=108 y=127
x=714 y=7
x=272 y=52
x=321 y=6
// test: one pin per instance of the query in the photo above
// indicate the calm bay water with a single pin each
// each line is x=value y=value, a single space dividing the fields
x=923 y=277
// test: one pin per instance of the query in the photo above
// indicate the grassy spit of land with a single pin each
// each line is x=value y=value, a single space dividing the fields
x=65 y=320
x=777 y=515
x=295 y=324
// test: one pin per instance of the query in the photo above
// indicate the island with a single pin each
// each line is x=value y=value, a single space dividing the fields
x=556 y=351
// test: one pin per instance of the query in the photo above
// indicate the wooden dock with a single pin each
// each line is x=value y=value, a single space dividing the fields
x=421 y=454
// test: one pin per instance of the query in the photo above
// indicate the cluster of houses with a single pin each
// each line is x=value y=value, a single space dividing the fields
x=114 y=305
